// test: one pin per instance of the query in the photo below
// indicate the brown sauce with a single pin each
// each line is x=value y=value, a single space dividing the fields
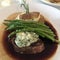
x=50 y=49
x=46 y=54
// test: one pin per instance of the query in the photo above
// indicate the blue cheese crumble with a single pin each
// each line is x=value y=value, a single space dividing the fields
x=24 y=39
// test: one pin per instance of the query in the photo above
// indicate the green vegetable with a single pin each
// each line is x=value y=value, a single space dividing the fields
x=15 y=26
x=39 y=28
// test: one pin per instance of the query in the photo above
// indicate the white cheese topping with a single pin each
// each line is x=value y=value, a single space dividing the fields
x=26 y=38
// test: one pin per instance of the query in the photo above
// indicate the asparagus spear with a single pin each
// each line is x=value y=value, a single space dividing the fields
x=37 y=27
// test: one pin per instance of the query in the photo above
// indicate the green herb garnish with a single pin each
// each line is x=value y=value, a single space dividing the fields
x=25 y=5
x=15 y=26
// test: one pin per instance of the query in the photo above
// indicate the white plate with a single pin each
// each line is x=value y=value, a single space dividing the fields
x=52 y=4
x=52 y=14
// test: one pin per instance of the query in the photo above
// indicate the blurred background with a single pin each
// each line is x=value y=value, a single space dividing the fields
x=4 y=3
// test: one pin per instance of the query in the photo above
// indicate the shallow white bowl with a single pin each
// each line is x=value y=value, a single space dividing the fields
x=52 y=14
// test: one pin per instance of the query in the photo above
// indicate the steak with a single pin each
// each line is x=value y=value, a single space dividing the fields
x=34 y=48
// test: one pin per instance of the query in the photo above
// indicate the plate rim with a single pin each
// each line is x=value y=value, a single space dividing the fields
x=49 y=3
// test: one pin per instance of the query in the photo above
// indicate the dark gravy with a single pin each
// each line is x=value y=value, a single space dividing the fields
x=46 y=54
x=50 y=49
